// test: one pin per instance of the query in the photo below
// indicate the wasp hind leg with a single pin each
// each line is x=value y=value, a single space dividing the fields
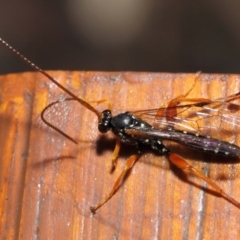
x=183 y=98
x=182 y=164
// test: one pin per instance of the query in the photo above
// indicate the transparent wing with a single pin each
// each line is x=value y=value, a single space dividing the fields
x=218 y=118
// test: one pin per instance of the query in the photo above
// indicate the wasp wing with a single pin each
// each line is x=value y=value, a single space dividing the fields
x=217 y=119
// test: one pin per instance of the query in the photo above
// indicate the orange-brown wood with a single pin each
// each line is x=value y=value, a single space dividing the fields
x=48 y=183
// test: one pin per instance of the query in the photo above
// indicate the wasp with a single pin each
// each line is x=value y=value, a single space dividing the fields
x=181 y=121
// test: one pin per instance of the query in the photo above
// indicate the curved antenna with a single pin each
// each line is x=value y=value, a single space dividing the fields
x=34 y=66
x=51 y=125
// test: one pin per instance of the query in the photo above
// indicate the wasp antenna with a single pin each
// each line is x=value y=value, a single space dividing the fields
x=34 y=66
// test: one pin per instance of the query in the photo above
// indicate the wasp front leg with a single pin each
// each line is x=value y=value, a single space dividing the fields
x=128 y=165
x=115 y=154
x=109 y=105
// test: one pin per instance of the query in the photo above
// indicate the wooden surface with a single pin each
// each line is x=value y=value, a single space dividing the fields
x=47 y=183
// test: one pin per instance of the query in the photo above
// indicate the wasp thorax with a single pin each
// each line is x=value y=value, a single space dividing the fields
x=123 y=120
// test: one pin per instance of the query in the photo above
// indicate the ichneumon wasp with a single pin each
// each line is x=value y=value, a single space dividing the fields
x=181 y=121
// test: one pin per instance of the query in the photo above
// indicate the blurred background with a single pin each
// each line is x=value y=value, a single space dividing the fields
x=122 y=35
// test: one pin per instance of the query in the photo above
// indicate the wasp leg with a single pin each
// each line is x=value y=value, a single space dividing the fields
x=182 y=164
x=170 y=111
x=101 y=101
x=174 y=102
x=183 y=98
x=128 y=165
x=115 y=153
x=230 y=98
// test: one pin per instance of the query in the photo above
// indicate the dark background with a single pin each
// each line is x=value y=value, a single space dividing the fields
x=121 y=35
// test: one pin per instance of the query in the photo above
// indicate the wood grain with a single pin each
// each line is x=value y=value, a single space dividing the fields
x=48 y=183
